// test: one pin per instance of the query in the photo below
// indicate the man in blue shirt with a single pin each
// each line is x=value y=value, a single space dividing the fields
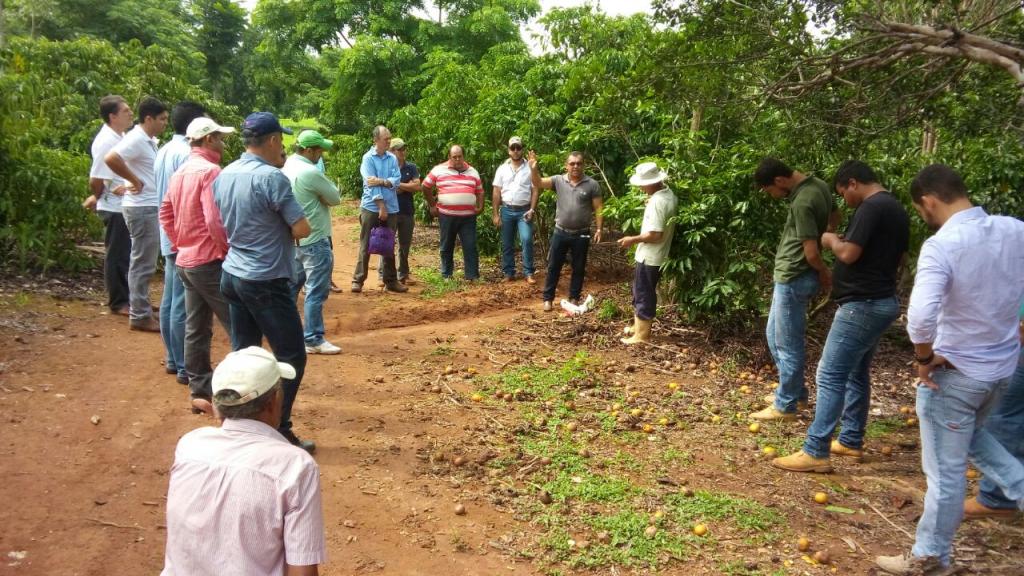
x=263 y=220
x=172 y=305
x=378 y=207
x=963 y=321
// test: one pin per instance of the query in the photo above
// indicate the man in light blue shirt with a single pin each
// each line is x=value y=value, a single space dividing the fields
x=963 y=321
x=172 y=304
x=381 y=177
x=263 y=221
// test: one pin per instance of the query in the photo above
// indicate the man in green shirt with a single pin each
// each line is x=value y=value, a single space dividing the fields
x=799 y=274
x=316 y=194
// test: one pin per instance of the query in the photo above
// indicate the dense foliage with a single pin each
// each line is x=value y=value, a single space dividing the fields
x=700 y=86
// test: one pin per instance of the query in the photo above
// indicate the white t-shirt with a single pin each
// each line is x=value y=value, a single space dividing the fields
x=138 y=151
x=515 y=183
x=105 y=139
x=660 y=207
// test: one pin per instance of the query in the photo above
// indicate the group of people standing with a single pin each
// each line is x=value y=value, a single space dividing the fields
x=964 y=320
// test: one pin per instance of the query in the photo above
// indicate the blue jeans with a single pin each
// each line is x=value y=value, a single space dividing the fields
x=1006 y=424
x=787 y=323
x=172 y=316
x=844 y=373
x=317 y=261
x=465 y=228
x=563 y=244
x=952 y=419
x=513 y=221
x=266 y=308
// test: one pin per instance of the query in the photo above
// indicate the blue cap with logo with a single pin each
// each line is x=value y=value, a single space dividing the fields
x=262 y=123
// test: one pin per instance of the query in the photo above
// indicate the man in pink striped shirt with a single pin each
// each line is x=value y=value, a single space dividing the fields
x=458 y=200
x=242 y=500
x=191 y=220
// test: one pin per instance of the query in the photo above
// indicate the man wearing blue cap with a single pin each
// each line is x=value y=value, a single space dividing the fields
x=263 y=221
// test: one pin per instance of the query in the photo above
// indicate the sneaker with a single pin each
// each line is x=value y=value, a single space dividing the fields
x=357 y=287
x=770 y=413
x=800 y=404
x=802 y=462
x=149 y=324
x=840 y=450
x=530 y=280
x=547 y=306
x=307 y=445
x=909 y=565
x=974 y=510
x=396 y=286
x=324 y=347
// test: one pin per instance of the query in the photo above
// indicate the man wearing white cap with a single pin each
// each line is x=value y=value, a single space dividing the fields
x=653 y=244
x=191 y=221
x=242 y=499
x=513 y=202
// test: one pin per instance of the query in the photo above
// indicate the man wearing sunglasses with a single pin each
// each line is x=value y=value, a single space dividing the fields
x=577 y=201
x=513 y=203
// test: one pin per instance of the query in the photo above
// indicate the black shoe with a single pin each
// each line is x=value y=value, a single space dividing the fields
x=307 y=445
x=182 y=379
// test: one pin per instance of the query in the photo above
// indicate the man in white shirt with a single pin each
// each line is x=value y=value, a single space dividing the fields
x=105 y=198
x=653 y=244
x=242 y=501
x=133 y=159
x=513 y=202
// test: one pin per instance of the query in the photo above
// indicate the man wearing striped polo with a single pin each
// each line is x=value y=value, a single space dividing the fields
x=458 y=199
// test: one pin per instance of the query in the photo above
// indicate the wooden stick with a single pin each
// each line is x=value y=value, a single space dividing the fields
x=884 y=517
x=114 y=524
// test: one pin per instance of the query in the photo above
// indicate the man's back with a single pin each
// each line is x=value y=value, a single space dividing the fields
x=244 y=501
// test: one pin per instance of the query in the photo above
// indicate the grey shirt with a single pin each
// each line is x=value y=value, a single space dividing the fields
x=574 y=208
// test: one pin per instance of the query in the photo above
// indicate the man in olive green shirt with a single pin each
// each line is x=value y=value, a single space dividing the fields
x=316 y=194
x=800 y=273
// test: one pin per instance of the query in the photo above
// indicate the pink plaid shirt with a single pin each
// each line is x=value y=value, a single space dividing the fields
x=242 y=501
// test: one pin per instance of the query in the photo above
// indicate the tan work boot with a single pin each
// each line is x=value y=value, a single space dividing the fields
x=629 y=330
x=803 y=462
x=641 y=333
x=909 y=565
x=974 y=510
x=770 y=413
x=840 y=450
x=800 y=404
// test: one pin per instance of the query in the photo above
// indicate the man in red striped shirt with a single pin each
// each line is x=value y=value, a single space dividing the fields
x=458 y=200
x=192 y=223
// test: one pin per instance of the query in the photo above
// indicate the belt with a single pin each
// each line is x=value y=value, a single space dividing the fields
x=517 y=207
x=576 y=232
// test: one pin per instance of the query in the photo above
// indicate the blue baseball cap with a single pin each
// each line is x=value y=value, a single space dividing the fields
x=261 y=123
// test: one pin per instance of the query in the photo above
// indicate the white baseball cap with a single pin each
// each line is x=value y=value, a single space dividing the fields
x=250 y=372
x=203 y=126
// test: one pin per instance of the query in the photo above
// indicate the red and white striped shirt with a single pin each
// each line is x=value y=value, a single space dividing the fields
x=457 y=192
x=242 y=501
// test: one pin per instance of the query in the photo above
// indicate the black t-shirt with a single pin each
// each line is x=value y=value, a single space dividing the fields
x=409 y=172
x=881 y=227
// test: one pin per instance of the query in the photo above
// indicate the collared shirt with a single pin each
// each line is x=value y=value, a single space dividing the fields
x=169 y=158
x=384 y=166
x=314 y=192
x=810 y=204
x=258 y=210
x=661 y=207
x=410 y=172
x=138 y=151
x=188 y=214
x=967 y=292
x=574 y=203
x=457 y=191
x=242 y=501
x=104 y=141
x=516 y=183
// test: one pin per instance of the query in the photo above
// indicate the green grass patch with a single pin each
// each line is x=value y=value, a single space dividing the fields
x=442 y=350
x=755 y=520
x=628 y=545
x=879 y=427
x=345 y=210
x=436 y=286
x=543 y=383
x=589 y=487
x=609 y=310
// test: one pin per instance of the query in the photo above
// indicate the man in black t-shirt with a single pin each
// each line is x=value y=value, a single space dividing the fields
x=406 y=212
x=864 y=285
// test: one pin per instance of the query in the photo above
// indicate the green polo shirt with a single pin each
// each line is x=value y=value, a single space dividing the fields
x=315 y=193
x=810 y=203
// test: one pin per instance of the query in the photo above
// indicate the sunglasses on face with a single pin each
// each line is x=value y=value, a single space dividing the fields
x=575 y=163
x=515 y=147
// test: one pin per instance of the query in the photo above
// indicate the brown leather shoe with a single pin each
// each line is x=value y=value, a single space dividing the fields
x=802 y=462
x=974 y=510
x=530 y=280
x=396 y=286
x=122 y=311
x=509 y=279
x=149 y=324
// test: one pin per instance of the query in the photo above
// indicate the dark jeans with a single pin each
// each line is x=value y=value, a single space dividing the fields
x=465 y=228
x=115 y=264
x=368 y=221
x=265 y=308
x=563 y=243
x=645 y=290
x=406 y=224
x=203 y=301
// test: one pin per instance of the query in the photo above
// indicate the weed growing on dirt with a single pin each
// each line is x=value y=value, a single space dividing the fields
x=757 y=522
x=442 y=350
x=435 y=285
x=608 y=310
x=345 y=210
x=879 y=427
